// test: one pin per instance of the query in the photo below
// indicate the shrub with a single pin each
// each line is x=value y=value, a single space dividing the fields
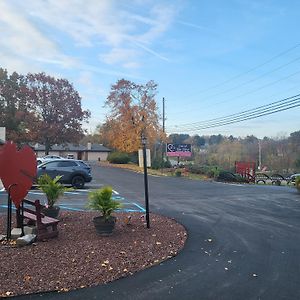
x=210 y=171
x=118 y=158
x=213 y=172
x=240 y=178
x=167 y=164
x=157 y=163
x=134 y=157
x=227 y=176
x=196 y=169
x=297 y=183
x=178 y=173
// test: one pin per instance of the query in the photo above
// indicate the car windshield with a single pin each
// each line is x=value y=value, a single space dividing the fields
x=51 y=164
x=84 y=164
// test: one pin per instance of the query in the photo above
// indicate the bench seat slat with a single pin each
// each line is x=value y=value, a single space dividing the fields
x=46 y=226
x=45 y=219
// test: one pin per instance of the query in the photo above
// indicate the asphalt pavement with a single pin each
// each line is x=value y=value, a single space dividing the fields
x=243 y=241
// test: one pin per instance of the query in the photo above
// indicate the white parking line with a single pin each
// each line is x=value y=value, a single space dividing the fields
x=36 y=193
x=234 y=184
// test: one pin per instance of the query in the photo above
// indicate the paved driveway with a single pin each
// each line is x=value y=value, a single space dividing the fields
x=243 y=243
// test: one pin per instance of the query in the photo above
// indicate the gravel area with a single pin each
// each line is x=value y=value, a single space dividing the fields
x=79 y=257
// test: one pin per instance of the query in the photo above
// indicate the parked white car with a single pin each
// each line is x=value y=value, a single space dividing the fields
x=43 y=159
x=292 y=178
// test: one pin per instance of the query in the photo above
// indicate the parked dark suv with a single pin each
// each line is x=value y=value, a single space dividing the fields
x=74 y=172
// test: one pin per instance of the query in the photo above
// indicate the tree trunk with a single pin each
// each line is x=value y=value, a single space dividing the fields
x=47 y=147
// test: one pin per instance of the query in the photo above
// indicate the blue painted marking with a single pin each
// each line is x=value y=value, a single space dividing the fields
x=131 y=210
x=5 y=206
x=118 y=198
x=70 y=208
x=140 y=207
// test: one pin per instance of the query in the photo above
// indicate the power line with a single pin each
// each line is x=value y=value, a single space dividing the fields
x=251 y=91
x=242 y=112
x=295 y=103
x=264 y=110
x=254 y=79
x=226 y=121
x=261 y=87
x=250 y=81
x=251 y=69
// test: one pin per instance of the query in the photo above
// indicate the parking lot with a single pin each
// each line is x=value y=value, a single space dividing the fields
x=74 y=200
x=243 y=240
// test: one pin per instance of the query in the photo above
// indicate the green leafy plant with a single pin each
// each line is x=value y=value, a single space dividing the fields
x=101 y=200
x=297 y=183
x=213 y=172
x=51 y=187
x=118 y=158
x=178 y=173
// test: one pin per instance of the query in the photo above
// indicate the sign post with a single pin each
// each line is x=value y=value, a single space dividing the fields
x=144 y=141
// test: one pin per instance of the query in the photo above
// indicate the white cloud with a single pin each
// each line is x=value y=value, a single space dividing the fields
x=81 y=40
x=117 y=55
x=85 y=67
x=131 y=65
x=104 y=24
x=22 y=45
x=85 y=78
x=162 y=17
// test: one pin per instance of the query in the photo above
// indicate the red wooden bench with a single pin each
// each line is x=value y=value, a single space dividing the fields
x=46 y=226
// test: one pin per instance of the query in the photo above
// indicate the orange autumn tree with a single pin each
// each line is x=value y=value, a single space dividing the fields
x=133 y=110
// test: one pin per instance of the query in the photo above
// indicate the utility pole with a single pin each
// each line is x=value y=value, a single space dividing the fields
x=162 y=143
x=259 y=155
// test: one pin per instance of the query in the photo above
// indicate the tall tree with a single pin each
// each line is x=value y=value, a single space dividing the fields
x=215 y=139
x=133 y=111
x=13 y=107
x=198 y=140
x=178 y=138
x=57 y=108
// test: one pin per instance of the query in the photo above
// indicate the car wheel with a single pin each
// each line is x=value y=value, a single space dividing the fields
x=78 y=182
x=261 y=181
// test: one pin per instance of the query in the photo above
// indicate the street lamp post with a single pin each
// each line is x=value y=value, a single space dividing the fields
x=144 y=142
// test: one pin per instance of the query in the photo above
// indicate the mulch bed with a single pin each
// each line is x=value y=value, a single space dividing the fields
x=80 y=258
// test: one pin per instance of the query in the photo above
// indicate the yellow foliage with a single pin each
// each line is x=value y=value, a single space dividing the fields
x=133 y=112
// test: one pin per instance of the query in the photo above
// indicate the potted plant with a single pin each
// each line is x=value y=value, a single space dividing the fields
x=53 y=189
x=101 y=200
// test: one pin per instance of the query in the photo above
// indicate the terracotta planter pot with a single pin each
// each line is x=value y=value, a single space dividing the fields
x=104 y=227
x=52 y=212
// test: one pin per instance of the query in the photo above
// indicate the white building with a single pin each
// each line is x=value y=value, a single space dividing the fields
x=90 y=152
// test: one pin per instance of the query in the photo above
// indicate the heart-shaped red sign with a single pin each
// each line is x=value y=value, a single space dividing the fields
x=17 y=170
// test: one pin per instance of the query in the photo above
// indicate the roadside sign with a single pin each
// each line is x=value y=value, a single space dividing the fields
x=141 y=158
x=179 y=150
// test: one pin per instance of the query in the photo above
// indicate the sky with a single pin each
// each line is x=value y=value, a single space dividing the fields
x=210 y=59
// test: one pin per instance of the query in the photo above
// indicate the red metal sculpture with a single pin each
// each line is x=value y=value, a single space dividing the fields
x=17 y=170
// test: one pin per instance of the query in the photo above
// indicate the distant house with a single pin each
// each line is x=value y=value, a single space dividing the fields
x=90 y=152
